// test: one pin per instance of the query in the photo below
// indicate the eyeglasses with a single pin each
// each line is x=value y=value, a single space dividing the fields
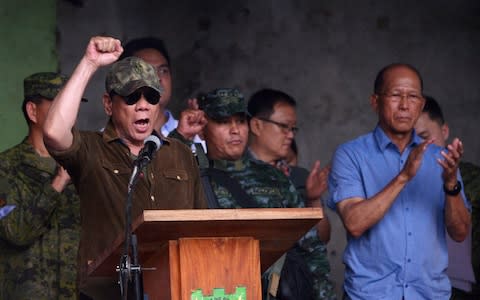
x=284 y=127
x=151 y=95
x=396 y=96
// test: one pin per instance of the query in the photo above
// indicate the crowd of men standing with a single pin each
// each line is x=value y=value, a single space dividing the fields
x=398 y=195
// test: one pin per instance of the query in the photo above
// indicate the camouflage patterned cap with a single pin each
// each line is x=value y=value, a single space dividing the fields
x=44 y=84
x=223 y=103
x=129 y=74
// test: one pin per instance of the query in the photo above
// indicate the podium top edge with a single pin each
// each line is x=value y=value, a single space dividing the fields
x=312 y=213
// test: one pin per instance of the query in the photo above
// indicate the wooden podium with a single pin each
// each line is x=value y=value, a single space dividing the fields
x=208 y=248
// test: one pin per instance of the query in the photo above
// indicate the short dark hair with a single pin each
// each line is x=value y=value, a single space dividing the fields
x=380 y=79
x=262 y=102
x=433 y=109
x=138 y=44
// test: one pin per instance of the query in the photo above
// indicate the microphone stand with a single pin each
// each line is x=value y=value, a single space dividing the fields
x=128 y=271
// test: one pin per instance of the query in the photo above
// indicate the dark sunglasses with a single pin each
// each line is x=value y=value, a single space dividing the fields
x=151 y=95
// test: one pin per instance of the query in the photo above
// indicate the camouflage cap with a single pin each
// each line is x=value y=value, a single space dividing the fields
x=129 y=74
x=44 y=84
x=223 y=103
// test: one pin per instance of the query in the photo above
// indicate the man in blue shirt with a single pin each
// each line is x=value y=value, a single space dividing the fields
x=396 y=196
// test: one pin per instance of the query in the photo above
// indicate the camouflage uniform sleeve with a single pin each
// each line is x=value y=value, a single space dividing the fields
x=35 y=202
x=292 y=198
x=295 y=198
x=174 y=134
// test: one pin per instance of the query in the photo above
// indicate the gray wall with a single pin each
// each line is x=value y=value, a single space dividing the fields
x=324 y=53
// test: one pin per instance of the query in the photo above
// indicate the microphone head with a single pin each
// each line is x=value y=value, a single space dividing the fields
x=155 y=139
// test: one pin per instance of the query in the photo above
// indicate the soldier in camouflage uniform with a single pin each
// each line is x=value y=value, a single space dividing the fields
x=226 y=134
x=39 y=238
x=431 y=124
x=273 y=121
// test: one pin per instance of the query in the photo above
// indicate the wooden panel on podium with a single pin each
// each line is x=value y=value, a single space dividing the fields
x=220 y=262
x=209 y=248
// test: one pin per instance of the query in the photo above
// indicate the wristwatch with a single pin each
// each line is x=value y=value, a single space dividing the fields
x=456 y=189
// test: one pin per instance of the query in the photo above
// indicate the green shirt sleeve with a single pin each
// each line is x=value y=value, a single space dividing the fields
x=35 y=201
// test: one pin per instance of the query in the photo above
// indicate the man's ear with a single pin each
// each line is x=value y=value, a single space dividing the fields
x=374 y=102
x=31 y=109
x=445 y=131
x=107 y=104
x=255 y=126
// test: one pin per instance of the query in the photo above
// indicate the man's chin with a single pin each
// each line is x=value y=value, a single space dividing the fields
x=141 y=136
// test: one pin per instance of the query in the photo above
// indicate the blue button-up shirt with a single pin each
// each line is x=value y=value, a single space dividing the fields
x=405 y=253
x=170 y=124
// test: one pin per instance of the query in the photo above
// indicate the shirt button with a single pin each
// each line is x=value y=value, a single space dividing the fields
x=406 y=285
x=409 y=260
x=178 y=177
x=115 y=171
x=152 y=197
x=407 y=209
x=409 y=233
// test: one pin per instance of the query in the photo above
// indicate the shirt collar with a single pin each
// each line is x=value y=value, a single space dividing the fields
x=231 y=165
x=280 y=164
x=251 y=155
x=383 y=141
x=46 y=164
x=109 y=133
x=170 y=124
x=416 y=138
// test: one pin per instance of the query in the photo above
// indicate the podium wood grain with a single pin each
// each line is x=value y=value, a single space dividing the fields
x=185 y=244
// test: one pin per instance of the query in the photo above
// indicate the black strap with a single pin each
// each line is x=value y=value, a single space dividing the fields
x=207 y=187
x=231 y=184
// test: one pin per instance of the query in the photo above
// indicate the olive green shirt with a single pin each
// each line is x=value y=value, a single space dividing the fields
x=39 y=238
x=100 y=165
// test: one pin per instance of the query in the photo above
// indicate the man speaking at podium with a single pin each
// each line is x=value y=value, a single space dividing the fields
x=100 y=163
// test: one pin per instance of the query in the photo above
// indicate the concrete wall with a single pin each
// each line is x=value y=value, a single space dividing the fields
x=28 y=46
x=324 y=53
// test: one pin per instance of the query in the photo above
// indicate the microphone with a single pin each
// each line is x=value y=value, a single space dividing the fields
x=151 y=144
x=125 y=268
